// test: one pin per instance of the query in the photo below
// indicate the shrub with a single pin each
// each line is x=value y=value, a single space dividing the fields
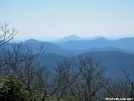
x=11 y=89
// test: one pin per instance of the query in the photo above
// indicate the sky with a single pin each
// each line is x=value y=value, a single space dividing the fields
x=54 y=19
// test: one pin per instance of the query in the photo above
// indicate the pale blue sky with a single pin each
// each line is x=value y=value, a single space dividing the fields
x=51 y=19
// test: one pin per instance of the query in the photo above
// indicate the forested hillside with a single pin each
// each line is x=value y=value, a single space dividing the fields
x=29 y=73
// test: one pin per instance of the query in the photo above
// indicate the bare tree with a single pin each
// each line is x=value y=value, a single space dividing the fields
x=61 y=78
x=91 y=79
x=120 y=88
x=21 y=61
x=129 y=84
x=80 y=78
x=6 y=34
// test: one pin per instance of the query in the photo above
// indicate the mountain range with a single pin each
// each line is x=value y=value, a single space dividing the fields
x=79 y=45
x=124 y=43
x=113 y=61
x=114 y=54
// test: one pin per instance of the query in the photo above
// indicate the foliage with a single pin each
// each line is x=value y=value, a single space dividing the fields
x=11 y=89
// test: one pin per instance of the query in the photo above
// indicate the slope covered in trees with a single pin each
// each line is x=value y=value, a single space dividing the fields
x=75 y=78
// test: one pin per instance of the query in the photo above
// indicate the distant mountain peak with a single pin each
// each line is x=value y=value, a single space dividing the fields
x=73 y=36
x=31 y=41
x=69 y=38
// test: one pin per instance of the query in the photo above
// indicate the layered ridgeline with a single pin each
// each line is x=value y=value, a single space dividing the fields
x=79 y=45
x=114 y=54
x=99 y=42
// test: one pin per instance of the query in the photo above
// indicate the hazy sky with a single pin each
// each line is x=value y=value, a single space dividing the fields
x=51 y=19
